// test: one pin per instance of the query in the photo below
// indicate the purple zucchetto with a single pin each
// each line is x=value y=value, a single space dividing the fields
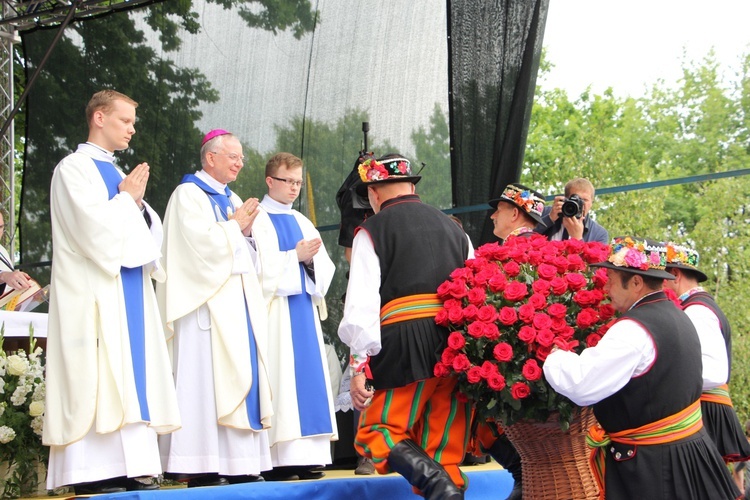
x=213 y=133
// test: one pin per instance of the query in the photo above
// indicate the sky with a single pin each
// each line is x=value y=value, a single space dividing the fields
x=630 y=45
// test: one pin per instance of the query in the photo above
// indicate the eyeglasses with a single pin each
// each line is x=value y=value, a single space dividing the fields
x=288 y=182
x=233 y=157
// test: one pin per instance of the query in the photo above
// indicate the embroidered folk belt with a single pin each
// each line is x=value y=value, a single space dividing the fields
x=672 y=428
x=423 y=305
x=718 y=395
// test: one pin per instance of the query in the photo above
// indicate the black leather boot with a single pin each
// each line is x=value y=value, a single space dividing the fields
x=423 y=472
x=506 y=455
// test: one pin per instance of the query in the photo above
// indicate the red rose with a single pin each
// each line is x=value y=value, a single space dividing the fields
x=462 y=273
x=576 y=263
x=600 y=277
x=606 y=311
x=455 y=315
x=477 y=296
x=585 y=298
x=461 y=363
x=497 y=283
x=541 y=320
x=592 y=340
x=476 y=329
x=496 y=382
x=559 y=285
x=561 y=263
x=503 y=352
x=527 y=334
x=441 y=318
x=508 y=316
x=487 y=369
x=474 y=375
x=448 y=356
x=546 y=271
x=586 y=318
x=576 y=281
x=574 y=246
x=458 y=289
x=512 y=269
x=470 y=312
x=515 y=291
x=488 y=314
x=538 y=301
x=565 y=333
x=491 y=331
x=542 y=352
x=557 y=311
x=441 y=370
x=443 y=290
x=604 y=328
x=526 y=313
x=541 y=286
x=531 y=370
x=451 y=303
x=558 y=325
x=535 y=257
x=566 y=345
x=519 y=390
x=545 y=337
x=456 y=340
x=595 y=252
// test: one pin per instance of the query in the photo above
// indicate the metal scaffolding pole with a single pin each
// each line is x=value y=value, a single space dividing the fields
x=8 y=38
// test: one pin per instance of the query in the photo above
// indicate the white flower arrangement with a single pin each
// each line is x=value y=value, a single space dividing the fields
x=22 y=392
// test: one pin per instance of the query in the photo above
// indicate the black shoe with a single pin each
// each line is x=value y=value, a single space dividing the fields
x=207 y=480
x=180 y=477
x=307 y=473
x=249 y=478
x=280 y=474
x=139 y=483
x=105 y=486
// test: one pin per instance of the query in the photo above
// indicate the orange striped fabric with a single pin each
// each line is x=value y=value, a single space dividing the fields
x=672 y=428
x=718 y=395
x=426 y=412
x=423 y=305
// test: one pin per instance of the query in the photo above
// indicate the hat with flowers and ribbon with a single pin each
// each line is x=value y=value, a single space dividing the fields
x=638 y=256
x=684 y=257
x=528 y=200
x=388 y=168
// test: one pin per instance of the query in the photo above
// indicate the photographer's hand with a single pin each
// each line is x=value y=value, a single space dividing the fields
x=574 y=226
x=556 y=208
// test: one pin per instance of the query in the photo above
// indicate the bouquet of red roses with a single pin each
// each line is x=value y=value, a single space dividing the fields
x=507 y=309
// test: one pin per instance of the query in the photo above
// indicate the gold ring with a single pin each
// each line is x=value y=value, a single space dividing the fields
x=249 y=212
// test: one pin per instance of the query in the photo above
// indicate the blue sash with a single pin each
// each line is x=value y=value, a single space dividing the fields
x=221 y=203
x=312 y=394
x=132 y=288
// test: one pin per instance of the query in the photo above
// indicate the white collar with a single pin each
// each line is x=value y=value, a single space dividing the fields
x=205 y=177
x=274 y=207
x=96 y=152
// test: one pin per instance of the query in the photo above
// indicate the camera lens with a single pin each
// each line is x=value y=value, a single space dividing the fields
x=572 y=207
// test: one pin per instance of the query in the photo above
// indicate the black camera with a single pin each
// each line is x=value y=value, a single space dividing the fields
x=573 y=207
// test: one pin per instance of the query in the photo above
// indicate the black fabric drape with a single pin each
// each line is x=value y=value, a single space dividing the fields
x=494 y=52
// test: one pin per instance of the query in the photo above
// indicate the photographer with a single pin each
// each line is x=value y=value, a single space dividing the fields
x=568 y=217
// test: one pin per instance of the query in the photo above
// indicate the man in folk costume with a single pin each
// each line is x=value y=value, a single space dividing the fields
x=215 y=317
x=715 y=334
x=109 y=386
x=518 y=211
x=296 y=272
x=412 y=422
x=644 y=381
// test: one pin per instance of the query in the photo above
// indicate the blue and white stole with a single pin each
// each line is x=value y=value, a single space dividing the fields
x=222 y=207
x=132 y=288
x=312 y=394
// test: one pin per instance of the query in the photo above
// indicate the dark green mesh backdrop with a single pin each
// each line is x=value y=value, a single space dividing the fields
x=287 y=75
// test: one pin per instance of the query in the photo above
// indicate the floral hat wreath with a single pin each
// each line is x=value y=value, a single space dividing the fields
x=638 y=256
x=683 y=257
x=524 y=198
x=389 y=168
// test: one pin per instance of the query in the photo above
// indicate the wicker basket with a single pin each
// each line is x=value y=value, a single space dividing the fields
x=555 y=464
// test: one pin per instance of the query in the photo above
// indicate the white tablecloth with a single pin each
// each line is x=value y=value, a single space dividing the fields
x=17 y=323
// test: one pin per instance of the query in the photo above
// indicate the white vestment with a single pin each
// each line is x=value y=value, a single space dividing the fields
x=93 y=421
x=304 y=423
x=211 y=287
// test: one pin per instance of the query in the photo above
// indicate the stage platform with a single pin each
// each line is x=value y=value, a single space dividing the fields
x=486 y=482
